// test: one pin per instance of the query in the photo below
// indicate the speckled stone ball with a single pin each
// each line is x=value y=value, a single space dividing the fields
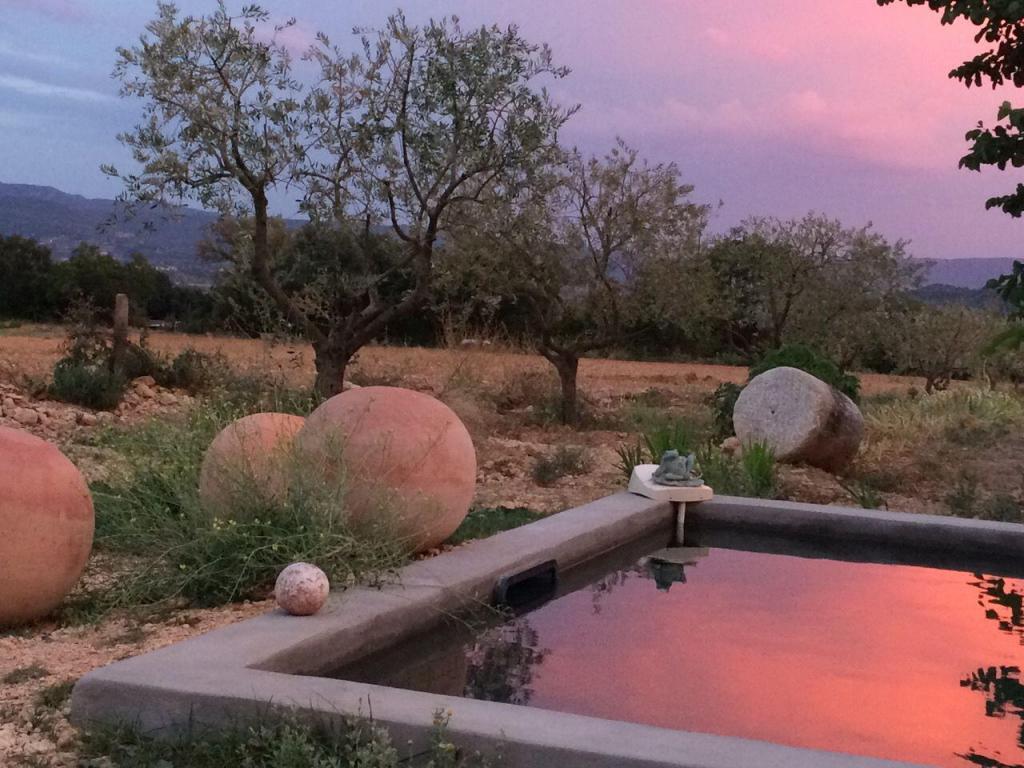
x=46 y=526
x=401 y=453
x=301 y=589
x=249 y=455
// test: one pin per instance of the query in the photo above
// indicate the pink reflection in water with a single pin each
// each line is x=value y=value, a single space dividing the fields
x=860 y=658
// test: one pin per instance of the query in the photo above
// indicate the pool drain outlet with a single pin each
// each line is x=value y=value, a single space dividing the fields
x=527 y=588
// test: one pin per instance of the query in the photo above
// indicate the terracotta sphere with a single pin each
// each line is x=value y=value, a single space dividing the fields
x=46 y=526
x=301 y=589
x=250 y=453
x=399 y=450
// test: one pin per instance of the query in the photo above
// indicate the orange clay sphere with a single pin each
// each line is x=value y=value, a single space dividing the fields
x=249 y=456
x=398 y=449
x=46 y=526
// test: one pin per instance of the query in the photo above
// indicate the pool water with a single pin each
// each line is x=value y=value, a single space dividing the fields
x=894 y=661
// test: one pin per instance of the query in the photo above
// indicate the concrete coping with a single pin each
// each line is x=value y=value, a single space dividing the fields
x=268 y=665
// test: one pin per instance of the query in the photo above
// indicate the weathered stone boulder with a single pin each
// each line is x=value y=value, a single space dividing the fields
x=800 y=417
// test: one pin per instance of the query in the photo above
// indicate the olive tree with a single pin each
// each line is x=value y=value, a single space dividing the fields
x=574 y=242
x=940 y=343
x=419 y=122
x=809 y=280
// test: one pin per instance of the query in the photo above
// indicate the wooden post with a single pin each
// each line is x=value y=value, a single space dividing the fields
x=120 y=347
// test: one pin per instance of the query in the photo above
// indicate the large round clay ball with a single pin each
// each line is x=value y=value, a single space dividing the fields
x=400 y=453
x=301 y=589
x=46 y=526
x=249 y=458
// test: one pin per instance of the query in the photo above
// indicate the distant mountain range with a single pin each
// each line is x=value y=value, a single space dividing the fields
x=967 y=273
x=62 y=221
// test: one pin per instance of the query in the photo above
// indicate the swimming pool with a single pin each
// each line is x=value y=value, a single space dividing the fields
x=885 y=660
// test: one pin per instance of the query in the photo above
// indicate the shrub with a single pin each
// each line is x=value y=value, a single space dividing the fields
x=193 y=371
x=652 y=397
x=24 y=674
x=523 y=390
x=92 y=385
x=1004 y=508
x=723 y=403
x=86 y=374
x=566 y=460
x=55 y=696
x=814 y=363
x=139 y=360
x=963 y=499
x=286 y=744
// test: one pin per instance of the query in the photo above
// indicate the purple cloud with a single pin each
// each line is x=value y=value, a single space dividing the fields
x=62 y=10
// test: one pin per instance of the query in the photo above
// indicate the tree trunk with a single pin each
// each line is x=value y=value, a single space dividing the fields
x=567 y=364
x=330 y=370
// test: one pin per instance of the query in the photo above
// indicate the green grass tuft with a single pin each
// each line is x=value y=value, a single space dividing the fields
x=24 y=674
x=55 y=696
x=487 y=521
x=356 y=743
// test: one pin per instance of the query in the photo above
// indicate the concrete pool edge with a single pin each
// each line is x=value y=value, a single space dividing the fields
x=255 y=666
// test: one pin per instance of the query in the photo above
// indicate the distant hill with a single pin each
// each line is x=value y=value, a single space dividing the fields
x=975 y=298
x=967 y=273
x=61 y=221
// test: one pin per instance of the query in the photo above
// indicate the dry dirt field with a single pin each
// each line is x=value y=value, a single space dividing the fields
x=495 y=392
x=912 y=452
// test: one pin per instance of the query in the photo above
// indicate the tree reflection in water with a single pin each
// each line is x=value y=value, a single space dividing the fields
x=663 y=573
x=1001 y=686
x=501 y=663
x=604 y=586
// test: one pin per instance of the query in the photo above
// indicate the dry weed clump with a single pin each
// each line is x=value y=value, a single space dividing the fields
x=564 y=460
x=526 y=389
x=963 y=416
